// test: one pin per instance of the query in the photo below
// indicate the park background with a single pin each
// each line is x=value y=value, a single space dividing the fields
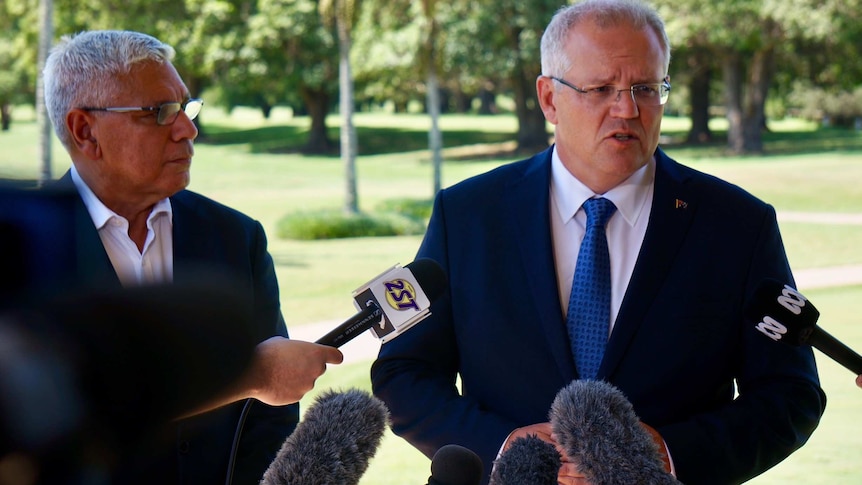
x=767 y=94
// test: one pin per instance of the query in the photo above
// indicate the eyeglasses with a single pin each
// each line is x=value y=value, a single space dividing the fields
x=650 y=94
x=166 y=112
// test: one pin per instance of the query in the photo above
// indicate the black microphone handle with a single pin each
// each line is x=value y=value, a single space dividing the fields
x=837 y=351
x=354 y=326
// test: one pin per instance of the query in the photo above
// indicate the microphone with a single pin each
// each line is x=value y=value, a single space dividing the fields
x=529 y=460
x=392 y=302
x=784 y=315
x=334 y=442
x=455 y=465
x=597 y=428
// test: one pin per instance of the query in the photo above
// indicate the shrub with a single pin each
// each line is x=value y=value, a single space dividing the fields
x=332 y=224
x=418 y=209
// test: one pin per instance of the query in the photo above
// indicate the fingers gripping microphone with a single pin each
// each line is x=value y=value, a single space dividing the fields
x=392 y=303
x=597 y=427
x=784 y=315
x=528 y=460
x=455 y=465
x=338 y=436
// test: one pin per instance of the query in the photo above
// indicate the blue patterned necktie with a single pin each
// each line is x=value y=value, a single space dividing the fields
x=588 y=318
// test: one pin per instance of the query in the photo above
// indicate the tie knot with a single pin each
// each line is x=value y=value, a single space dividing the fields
x=599 y=211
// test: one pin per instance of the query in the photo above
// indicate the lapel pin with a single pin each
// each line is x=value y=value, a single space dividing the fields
x=680 y=204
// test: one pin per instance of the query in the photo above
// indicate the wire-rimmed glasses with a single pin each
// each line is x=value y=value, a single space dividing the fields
x=166 y=112
x=644 y=94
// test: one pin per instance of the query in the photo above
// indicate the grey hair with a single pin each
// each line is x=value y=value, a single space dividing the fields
x=605 y=13
x=79 y=68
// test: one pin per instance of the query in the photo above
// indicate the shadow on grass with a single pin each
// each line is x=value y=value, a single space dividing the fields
x=372 y=140
x=775 y=143
x=476 y=145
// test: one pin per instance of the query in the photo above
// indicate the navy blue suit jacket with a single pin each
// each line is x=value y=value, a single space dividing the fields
x=678 y=344
x=214 y=239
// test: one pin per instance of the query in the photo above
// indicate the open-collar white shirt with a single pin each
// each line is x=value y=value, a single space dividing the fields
x=152 y=265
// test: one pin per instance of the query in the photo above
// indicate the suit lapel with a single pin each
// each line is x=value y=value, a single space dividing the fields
x=185 y=230
x=673 y=209
x=93 y=268
x=528 y=205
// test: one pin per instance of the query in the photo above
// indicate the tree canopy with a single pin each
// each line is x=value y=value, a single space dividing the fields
x=748 y=58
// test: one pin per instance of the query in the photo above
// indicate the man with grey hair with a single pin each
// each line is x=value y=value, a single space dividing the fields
x=124 y=115
x=602 y=258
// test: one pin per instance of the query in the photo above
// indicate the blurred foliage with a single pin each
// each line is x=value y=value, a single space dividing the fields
x=268 y=53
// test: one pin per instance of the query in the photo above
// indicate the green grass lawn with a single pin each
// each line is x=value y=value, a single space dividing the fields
x=251 y=164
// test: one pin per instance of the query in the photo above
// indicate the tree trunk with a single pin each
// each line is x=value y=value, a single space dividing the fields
x=5 y=116
x=699 y=92
x=532 y=128
x=46 y=33
x=746 y=99
x=733 y=75
x=348 y=131
x=487 y=102
x=316 y=103
x=435 y=137
x=760 y=79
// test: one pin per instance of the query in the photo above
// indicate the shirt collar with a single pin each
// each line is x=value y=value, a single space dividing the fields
x=101 y=214
x=569 y=193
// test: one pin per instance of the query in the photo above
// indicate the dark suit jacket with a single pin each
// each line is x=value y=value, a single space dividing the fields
x=677 y=346
x=211 y=239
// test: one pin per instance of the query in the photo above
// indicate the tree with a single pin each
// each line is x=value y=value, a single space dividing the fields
x=507 y=34
x=752 y=40
x=46 y=33
x=290 y=53
x=17 y=58
x=343 y=14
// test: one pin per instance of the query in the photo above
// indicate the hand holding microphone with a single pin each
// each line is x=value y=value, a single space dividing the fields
x=281 y=372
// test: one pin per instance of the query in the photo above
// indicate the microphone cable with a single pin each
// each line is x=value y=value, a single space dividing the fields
x=234 y=449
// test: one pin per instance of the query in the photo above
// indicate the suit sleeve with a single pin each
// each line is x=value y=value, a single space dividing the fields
x=416 y=374
x=779 y=401
x=266 y=427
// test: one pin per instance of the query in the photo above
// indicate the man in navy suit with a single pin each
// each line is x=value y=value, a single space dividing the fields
x=686 y=252
x=123 y=113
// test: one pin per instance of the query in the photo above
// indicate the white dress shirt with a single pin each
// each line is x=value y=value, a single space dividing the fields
x=152 y=265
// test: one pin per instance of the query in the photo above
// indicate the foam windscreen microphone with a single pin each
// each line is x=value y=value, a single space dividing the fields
x=528 y=460
x=455 y=465
x=598 y=429
x=392 y=302
x=333 y=444
x=784 y=315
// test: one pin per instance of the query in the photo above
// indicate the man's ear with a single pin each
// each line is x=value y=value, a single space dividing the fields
x=80 y=124
x=545 y=91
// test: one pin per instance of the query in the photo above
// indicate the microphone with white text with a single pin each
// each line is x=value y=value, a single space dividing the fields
x=334 y=442
x=598 y=429
x=392 y=303
x=529 y=460
x=455 y=465
x=784 y=315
